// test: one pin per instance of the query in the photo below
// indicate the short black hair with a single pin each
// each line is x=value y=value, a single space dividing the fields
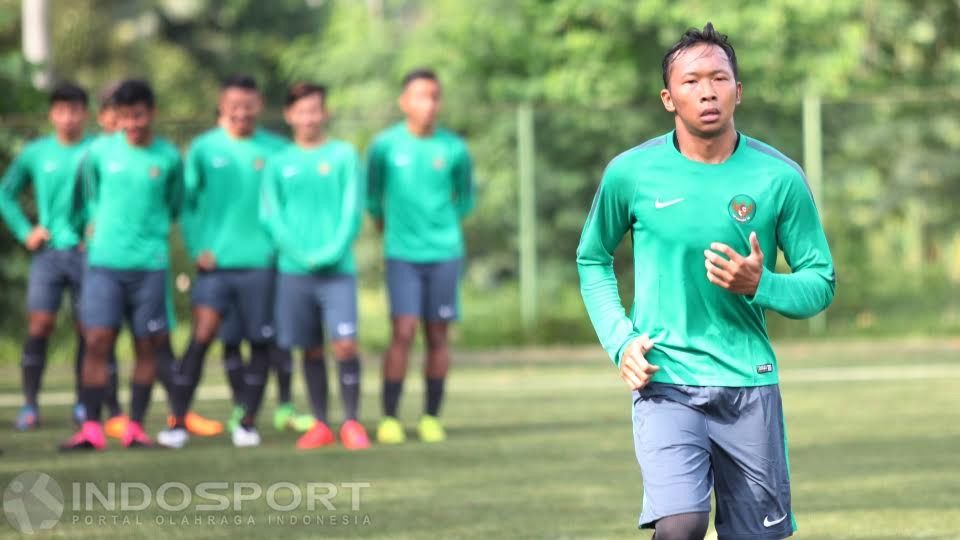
x=245 y=82
x=420 y=73
x=68 y=92
x=694 y=36
x=301 y=90
x=105 y=97
x=133 y=92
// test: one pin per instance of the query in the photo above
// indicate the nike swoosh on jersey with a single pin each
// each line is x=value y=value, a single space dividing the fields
x=665 y=204
x=768 y=523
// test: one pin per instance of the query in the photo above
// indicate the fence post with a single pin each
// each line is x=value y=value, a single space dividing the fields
x=527 y=217
x=813 y=166
x=37 y=48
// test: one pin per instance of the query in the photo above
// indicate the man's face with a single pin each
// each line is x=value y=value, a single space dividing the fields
x=68 y=119
x=107 y=119
x=239 y=108
x=701 y=90
x=135 y=122
x=420 y=102
x=306 y=116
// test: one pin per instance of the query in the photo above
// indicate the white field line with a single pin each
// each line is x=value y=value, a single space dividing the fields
x=532 y=383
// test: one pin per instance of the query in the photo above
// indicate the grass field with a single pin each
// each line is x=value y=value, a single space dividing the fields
x=540 y=446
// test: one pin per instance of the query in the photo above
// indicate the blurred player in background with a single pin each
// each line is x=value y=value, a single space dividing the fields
x=420 y=187
x=312 y=206
x=703 y=205
x=134 y=183
x=233 y=253
x=48 y=164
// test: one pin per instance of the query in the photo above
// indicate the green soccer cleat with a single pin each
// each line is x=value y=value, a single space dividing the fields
x=303 y=423
x=390 y=431
x=284 y=417
x=235 y=417
x=431 y=430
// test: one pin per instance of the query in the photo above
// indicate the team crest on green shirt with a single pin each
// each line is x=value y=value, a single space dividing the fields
x=258 y=164
x=438 y=163
x=323 y=168
x=742 y=208
x=154 y=171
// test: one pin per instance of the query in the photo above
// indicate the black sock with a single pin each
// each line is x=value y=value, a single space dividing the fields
x=391 y=397
x=111 y=400
x=92 y=399
x=78 y=364
x=233 y=367
x=32 y=364
x=139 y=401
x=349 y=371
x=315 y=372
x=434 y=395
x=166 y=370
x=255 y=380
x=282 y=362
x=187 y=377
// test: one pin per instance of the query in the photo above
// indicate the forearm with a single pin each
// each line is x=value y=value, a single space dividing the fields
x=598 y=287
x=798 y=295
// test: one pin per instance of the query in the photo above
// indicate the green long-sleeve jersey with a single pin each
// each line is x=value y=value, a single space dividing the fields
x=312 y=206
x=674 y=208
x=222 y=177
x=134 y=193
x=421 y=187
x=50 y=166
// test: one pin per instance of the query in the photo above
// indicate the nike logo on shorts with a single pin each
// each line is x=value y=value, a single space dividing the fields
x=768 y=523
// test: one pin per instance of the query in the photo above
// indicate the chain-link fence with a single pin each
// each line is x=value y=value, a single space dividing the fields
x=891 y=179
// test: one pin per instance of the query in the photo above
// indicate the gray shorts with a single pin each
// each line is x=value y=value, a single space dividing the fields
x=53 y=272
x=140 y=296
x=246 y=293
x=231 y=327
x=693 y=440
x=425 y=290
x=309 y=304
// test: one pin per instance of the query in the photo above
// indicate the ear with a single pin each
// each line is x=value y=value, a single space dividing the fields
x=667 y=100
x=739 y=91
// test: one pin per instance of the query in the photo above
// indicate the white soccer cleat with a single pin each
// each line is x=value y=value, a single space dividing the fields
x=173 y=438
x=245 y=437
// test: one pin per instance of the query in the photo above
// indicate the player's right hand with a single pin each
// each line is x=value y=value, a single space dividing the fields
x=378 y=223
x=206 y=261
x=634 y=368
x=37 y=238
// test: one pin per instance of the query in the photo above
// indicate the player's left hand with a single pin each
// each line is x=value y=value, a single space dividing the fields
x=736 y=273
x=206 y=261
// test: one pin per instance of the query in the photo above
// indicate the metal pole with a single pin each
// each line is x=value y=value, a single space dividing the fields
x=528 y=217
x=37 y=49
x=813 y=166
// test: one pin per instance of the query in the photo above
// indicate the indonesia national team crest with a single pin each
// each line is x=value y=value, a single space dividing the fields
x=438 y=163
x=154 y=172
x=323 y=168
x=742 y=208
x=258 y=164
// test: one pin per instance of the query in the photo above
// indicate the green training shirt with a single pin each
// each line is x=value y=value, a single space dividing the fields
x=51 y=167
x=222 y=177
x=311 y=205
x=134 y=194
x=421 y=187
x=674 y=208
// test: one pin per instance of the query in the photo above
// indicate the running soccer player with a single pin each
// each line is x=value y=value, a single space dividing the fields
x=48 y=164
x=420 y=187
x=707 y=207
x=135 y=184
x=312 y=206
x=232 y=251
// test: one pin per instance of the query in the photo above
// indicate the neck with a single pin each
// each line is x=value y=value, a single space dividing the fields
x=713 y=150
x=310 y=141
x=420 y=130
x=68 y=138
x=144 y=143
x=238 y=134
